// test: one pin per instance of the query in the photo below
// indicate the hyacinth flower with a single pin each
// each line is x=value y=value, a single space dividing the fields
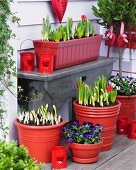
x=43 y=116
x=99 y=94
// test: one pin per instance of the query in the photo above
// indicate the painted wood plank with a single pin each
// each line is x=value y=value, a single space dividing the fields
x=125 y=160
x=48 y=0
x=32 y=13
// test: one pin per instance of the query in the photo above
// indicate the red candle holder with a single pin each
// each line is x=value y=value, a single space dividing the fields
x=59 y=157
x=45 y=63
x=27 y=61
x=132 y=129
x=122 y=125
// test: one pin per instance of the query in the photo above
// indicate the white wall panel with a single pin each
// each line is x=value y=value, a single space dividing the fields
x=32 y=13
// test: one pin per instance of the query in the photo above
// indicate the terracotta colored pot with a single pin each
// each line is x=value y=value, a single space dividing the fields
x=85 y=153
x=128 y=106
x=39 y=140
x=102 y=115
x=71 y=52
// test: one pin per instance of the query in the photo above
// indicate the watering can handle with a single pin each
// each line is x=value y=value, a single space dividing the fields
x=23 y=42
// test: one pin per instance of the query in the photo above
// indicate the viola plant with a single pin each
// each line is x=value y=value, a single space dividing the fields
x=87 y=133
x=97 y=95
x=64 y=33
x=43 y=117
x=124 y=85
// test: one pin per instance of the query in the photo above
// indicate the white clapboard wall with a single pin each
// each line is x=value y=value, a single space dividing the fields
x=32 y=12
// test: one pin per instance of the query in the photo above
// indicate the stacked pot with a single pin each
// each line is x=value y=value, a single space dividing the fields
x=101 y=115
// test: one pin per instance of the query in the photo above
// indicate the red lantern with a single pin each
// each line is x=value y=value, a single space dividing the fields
x=59 y=7
x=59 y=157
x=122 y=124
x=45 y=63
x=132 y=129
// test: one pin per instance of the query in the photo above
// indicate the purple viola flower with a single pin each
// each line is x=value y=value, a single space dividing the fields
x=70 y=140
x=92 y=128
x=87 y=123
x=73 y=131
x=64 y=129
x=87 y=136
x=75 y=123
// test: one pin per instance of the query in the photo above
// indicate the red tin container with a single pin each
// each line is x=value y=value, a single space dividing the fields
x=132 y=129
x=59 y=157
x=45 y=63
x=122 y=125
x=27 y=61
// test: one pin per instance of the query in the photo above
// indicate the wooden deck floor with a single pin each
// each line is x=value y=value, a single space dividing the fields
x=121 y=157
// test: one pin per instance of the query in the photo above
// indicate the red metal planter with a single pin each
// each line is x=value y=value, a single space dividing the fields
x=85 y=153
x=102 y=115
x=71 y=52
x=39 y=140
x=128 y=106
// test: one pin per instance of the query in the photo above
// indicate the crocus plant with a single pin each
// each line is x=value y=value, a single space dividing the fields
x=87 y=133
x=63 y=33
x=43 y=117
x=97 y=95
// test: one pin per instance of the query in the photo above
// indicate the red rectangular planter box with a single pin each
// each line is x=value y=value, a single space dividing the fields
x=71 y=52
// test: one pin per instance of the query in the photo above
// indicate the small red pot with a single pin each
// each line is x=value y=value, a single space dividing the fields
x=122 y=125
x=27 y=61
x=59 y=157
x=132 y=130
x=128 y=106
x=85 y=153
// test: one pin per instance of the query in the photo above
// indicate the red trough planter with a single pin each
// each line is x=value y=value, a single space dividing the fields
x=71 y=52
x=102 y=115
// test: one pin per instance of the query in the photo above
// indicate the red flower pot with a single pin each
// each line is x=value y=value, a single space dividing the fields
x=71 y=52
x=128 y=106
x=39 y=140
x=107 y=116
x=85 y=153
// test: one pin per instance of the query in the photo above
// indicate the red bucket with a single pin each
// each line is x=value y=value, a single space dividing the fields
x=59 y=157
x=27 y=61
x=45 y=63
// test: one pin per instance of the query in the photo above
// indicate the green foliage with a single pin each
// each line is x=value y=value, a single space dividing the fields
x=7 y=64
x=63 y=33
x=87 y=133
x=46 y=28
x=69 y=25
x=13 y=157
x=98 y=95
x=113 y=12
